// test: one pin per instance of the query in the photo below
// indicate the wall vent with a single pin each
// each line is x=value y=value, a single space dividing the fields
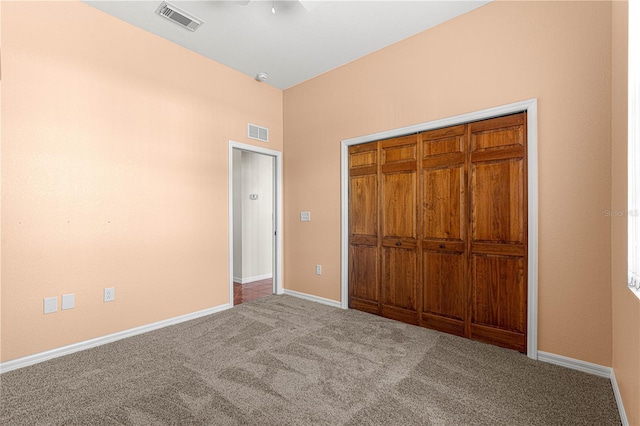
x=178 y=16
x=257 y=132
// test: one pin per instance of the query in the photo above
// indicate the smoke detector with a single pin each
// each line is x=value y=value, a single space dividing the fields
x=262 y=76
x=179 y=16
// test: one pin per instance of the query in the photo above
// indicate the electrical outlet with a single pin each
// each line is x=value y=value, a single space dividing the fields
x=109 y=294
x=305 y=216
x=318 y=269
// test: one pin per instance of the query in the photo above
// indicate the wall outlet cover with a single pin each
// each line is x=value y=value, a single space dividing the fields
x=109 y=294
x=68 y=301
x=50 y=305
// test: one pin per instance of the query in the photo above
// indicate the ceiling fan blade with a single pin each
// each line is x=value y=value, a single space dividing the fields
x=309 y=4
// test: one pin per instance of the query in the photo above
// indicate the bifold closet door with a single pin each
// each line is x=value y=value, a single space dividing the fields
x=364 y=253
x=399 y=230
x=438 y=229
x=498 y=231
x=444 y=219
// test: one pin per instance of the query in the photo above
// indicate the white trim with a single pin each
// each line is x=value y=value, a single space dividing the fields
x=253 y=279
x=344 y=223
x=589 y=368
x=575 y=364
x=313 y=298
x=532 y=236
x=98 y=341
x=531 y=107
x=278 y=209
x=616 y=392
x=633 y=152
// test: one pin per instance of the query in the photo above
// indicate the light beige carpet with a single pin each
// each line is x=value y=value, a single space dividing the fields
x=281 y=360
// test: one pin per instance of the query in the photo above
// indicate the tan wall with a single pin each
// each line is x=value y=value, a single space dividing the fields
x=114 y=173
x=626 y=307
x=558 y=52
x=0 y=187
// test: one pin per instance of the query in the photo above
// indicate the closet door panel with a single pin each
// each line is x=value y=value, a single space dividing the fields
x=498 y=231
x=399 y=228
x=443 y=231
x=364 y=252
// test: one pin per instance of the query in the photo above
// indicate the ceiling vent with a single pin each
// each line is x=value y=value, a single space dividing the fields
x=178 y=16
x=257 y=132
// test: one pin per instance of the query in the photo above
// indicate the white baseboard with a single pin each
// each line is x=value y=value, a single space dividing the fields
x=14 y=364
x=616 y=392
x=590 y=368
x=252 y=279
x=313 y=298
x=575 y=364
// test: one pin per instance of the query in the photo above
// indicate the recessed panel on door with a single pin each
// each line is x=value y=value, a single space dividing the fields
x=364 y=205
x=497 y=199
x=499 y=300
x=399 y=209
x=444 y=295
x=399 y=289
x=363 y=277
x=443 y=203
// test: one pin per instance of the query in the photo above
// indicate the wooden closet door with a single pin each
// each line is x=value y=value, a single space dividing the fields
x=364 y=254
x=444 y=219
x=498 y=231
x=399 y=243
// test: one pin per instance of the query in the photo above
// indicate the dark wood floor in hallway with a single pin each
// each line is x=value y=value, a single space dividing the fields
x=251 y=291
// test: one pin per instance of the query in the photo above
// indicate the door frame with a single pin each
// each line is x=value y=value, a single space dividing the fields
x=277 y=212
x=530 y=106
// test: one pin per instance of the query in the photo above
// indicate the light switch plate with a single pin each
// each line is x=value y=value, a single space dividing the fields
x=50 y=305
x=68 y=301
x=305 y=216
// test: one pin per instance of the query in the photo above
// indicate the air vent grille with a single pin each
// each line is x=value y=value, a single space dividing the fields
x=178 y=16
x=257 y=132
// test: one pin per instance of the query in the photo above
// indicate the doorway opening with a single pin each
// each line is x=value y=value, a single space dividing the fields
x=255 y=242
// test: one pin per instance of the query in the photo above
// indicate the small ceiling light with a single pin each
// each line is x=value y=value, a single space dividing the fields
x=262 y=76
x=273 y=7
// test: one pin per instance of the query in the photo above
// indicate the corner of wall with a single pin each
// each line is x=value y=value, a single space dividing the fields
x=625 y=307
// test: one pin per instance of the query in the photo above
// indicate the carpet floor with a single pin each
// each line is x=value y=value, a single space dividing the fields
x=281 y=360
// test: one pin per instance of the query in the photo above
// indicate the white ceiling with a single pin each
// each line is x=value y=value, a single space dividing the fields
x=292 y=45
